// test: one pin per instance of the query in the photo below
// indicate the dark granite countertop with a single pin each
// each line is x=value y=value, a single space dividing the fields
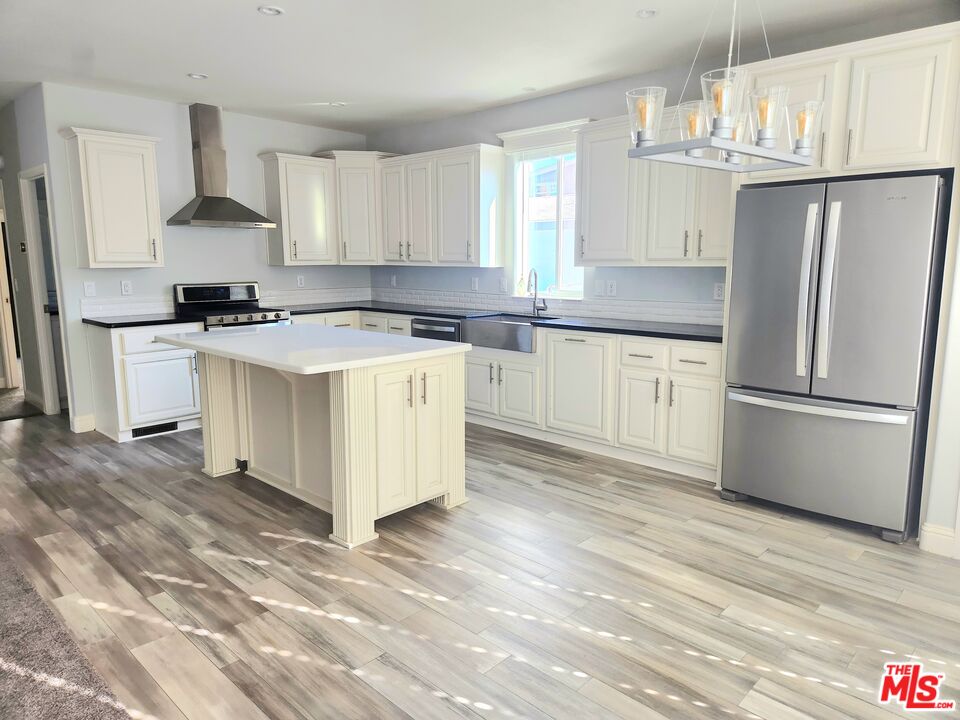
x=669 y=331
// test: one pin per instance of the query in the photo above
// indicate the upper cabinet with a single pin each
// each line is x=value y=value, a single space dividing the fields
x=301 y=198
x=116 y=203
x=443 y=208
x=889 y=102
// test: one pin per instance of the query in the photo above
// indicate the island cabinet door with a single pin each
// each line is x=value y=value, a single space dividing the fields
x=394 y=395
x=433 y=423
x=161 y=386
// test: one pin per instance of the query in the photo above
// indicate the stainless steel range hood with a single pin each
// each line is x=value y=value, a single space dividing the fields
x=212 y=207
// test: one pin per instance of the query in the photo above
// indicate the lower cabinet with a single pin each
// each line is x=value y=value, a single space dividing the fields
x=373 y=323
x=510 y=390
x=413 y=416
x=343 y=318
x=579 y=369
x=398 y=325
x=161 y=386
x=694 y=419
x=643 y=418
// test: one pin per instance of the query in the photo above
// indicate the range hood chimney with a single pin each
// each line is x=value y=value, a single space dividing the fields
x=212 y=207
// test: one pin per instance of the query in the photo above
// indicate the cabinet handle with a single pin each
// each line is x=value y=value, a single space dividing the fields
x=656 y=393
x=294 y=248
x=193 y=363
x=424 y=388
x=823 y=146
x=849 y=143
x=342 y=325
x=671 y=393
x=395 y=327
x=686 y=242
x=410 y=390
x=574 y=340
x=583 y=245
x=153 y=243
x=469 y=250
x=373 y=325
x=408 y=250
x=491 y=373
x=400 y=249
x=500 y=375
x=699 y=243
x=344 y=249
x=692 y=362
x=638 y=355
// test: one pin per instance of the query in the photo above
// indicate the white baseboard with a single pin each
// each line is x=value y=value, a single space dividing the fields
x=82 y=423
x=939 y=539
x=652 y=461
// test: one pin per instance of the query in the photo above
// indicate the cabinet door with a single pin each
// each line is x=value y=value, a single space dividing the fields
x=356 y=191
x=519 y=395
x=309 y=214
x=161 y=386
x=642 y=417
x=819 y=81
x=457 y=208
x=392 y=212
x=419 y=191
x=398 y=325
x=318 y=319
x=898 y=106
x=433 y=422
x=602 y=196
x=480 y=383
x=122 y=202
x=347 y=319
x=670 y=212
x=694 y=419
x=395 y=441
x=373 y=323
x=715 y=201
x=578 y=385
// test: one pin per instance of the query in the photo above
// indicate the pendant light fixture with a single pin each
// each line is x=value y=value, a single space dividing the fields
x=729 y=129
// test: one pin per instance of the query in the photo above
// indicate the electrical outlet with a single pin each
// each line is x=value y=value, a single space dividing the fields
x=89 y=288
x=475 y=284
x=393 y=281
x=718 y=291
x=503 y=284
x=598 y=288
x=299 y=281
x=612 y=288
x=126 y=287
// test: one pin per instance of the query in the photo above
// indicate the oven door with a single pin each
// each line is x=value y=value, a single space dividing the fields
x=257 y=323
x=436 y=329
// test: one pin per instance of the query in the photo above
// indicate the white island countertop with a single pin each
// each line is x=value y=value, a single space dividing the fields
x=312 y=349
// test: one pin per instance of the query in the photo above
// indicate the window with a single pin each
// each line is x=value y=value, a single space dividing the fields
x=544 y=212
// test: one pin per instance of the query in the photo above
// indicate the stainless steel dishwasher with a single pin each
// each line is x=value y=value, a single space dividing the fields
x=436 y=329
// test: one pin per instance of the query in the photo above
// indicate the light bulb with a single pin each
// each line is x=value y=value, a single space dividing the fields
x=722 y=96
x=645 y=111
x=804 y=122
x=763 y=111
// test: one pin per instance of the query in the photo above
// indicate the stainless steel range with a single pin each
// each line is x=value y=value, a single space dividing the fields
x=225 y=305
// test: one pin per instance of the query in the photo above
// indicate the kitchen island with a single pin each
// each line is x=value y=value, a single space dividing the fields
x=361 y=425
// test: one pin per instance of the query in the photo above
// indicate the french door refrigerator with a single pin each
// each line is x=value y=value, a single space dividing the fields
x=834 y=297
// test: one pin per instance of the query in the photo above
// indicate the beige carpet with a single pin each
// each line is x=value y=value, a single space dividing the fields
x=43 y=674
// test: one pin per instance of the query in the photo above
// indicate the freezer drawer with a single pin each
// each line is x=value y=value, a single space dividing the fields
x=847 y=461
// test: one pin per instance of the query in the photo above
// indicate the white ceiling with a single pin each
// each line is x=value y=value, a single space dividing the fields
x=392 y=61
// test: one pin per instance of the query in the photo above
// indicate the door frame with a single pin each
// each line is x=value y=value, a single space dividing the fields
x=8 y=345
x=28 y=200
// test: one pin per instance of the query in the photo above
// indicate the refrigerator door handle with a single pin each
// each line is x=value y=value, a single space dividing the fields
x=874 y=417
x=803 y=300
x=827 y=280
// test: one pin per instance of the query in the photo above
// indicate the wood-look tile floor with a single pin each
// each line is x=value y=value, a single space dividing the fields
x=570 y=586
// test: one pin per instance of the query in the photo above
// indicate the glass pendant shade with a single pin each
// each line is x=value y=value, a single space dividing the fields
x=805 y=120
x=739 y=132
x=768 y=108
x=693 y=123
x=723 y=93
x=645 y=107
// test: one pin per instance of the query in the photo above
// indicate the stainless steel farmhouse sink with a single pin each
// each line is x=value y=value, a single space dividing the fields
x=506 y=331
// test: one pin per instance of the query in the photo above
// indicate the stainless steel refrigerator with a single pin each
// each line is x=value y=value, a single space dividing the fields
x=834 y=298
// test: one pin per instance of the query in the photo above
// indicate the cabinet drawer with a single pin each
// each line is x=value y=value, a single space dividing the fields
x=373 y=323
x=318 y=319
x=636 y=353
x=695 y=360
x=140 y=340
x=346 y=319
x=398 y=325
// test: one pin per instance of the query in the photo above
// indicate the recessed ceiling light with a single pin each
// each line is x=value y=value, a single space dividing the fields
x=330 y=103
x=197 y=76
x=271 y=10
x=646 y=14
x=529 y=88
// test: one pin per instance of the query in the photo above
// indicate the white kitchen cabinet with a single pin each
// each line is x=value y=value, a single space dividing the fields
x=579 y=369
x=604 y=194
x=433 y=420
x=420 y=195
x=373 y=323
x=161 y=386
x=398 y=325
x=671 y=212
x=519 y=392
x=115 y=196
x=311 y=319
x=480 y=384
x=694 y=417
x=301 y=197
x=642 y=419
x=456 y=207
x=347 y=319
x=396 y=441
x=714 y=217
x=898 y=104
x=393 y=218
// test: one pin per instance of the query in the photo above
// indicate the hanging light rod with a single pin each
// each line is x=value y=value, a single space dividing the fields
x=678 y=154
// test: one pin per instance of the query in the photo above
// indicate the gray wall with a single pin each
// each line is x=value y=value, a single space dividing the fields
x=190 y=254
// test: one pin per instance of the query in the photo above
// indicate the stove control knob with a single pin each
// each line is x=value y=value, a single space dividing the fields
x=277 y=316
x=263 y=316
x=249 y=317
x=236 y=318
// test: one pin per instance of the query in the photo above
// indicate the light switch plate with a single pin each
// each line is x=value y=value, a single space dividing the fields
x=126 y=287
x=89 y=288
x=503 y=285
x=718 y=291
x=299 y=281
x=612 y=288
x=393 y=281
x=475 y=284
